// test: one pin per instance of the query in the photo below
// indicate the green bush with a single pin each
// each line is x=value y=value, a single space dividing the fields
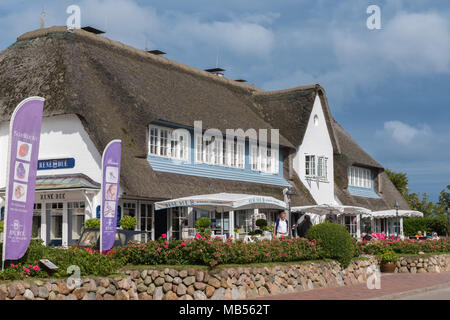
x=334 y=240
x=1 y=226
x=128 y=222
x=92 y=224
x=202 y=224
x=388 y=256
x=261 y=223
x=427 y=224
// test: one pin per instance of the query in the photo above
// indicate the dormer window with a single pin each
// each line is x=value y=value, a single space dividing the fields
x=220 y=152
x=264 y=159
x=169 y=143
x=359 y=177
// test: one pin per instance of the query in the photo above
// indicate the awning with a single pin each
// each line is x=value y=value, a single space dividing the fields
x=393 y=213
x=223 y=202
x=325 y=209
x=64 y=182
x=352 y=210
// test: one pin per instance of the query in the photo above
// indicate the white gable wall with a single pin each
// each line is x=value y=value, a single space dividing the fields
x=316 y=142
x=61 y=137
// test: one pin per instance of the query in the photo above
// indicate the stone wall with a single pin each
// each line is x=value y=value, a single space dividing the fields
x=198 y=284
x=435 y=264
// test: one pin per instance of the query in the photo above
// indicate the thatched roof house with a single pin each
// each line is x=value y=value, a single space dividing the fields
x=298 y=103
x=117 y=90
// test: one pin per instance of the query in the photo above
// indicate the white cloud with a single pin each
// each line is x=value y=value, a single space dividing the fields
x=409 y=44
x=417 y=43
x=403 y=133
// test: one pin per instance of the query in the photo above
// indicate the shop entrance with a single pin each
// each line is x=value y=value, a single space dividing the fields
x=54 y=218
x=160 y=222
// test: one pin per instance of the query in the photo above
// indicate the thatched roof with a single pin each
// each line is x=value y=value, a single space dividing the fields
x=117 y=91
x=353 y=154
x=290 y=110
x=298 y=103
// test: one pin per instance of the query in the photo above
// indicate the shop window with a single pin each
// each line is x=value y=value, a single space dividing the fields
x=36 y=227
x=55 y=212
x=129 y=209
x=178 y=218
x=76 y=212
x=351 y=224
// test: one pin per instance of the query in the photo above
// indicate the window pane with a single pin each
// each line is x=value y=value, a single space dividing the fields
x=164 y=142
x=307 y=165
x=199 y=148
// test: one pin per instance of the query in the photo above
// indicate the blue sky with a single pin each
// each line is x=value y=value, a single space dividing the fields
x=389 y=88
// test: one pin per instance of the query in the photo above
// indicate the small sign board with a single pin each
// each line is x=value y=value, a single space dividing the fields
x=48 y=264
x=54 y=164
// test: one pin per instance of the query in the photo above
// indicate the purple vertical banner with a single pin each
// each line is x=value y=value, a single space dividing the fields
x=23 y=152
x=110 y=194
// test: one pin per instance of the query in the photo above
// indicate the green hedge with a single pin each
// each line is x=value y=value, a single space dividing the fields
x=428 y=225
x=334 y=240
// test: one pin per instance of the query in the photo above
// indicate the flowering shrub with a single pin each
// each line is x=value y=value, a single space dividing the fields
x=212 y=252
x=90 y=262
x=21 y=271
x=407 y=246
x=378 y=235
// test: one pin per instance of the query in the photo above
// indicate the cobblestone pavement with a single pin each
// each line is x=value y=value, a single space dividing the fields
x=391 y=284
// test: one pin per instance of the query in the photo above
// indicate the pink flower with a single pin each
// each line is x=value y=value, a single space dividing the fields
x=164 y=236
x=36 y=268
x=183 y=243
x=267 y=254
x=166 y=246
x=27 y=270
x=12 y=265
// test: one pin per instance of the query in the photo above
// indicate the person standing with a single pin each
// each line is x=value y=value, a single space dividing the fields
x=281 y=226
x=304 y=226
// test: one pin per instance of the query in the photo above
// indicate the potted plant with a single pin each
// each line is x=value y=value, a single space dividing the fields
x=202 y=224
x=237 y=231
x=387 y=261
x=128 y=223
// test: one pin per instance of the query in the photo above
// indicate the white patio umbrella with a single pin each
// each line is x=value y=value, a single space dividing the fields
x=393 y=213
x=321 y=209
x=223 y=202
x=352 y=210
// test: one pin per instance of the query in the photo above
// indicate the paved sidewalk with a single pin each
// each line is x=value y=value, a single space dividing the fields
x=391 y=285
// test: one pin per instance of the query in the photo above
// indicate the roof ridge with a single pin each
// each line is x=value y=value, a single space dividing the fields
x=155 y=58
x=289 y=90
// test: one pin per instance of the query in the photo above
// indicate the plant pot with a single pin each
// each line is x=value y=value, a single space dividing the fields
x=387 y=267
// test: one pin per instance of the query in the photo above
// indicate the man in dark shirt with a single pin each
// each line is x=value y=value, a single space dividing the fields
x=303 y=228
